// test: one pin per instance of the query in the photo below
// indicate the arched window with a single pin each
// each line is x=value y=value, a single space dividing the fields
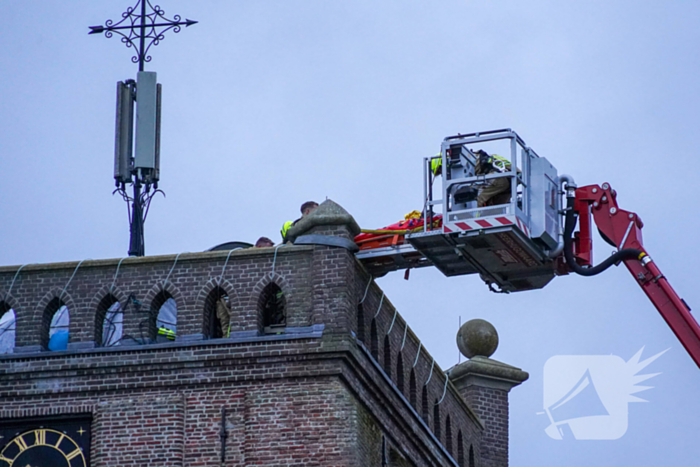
x=460 y=449
x=217 y=314
x=55 y=326
x=448 y=434
x=387 y=356
x=471 y=456
x=113 y=325
x=412 y=393
x=163 y=323
x=399 y=372
x=373 y=344
x=424 y=407
x=436 y=419
x=8 y=321
x=360 y=322
x=273 y=306
x=108 y=322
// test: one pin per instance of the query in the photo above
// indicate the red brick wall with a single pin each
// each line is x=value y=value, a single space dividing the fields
x=310 y=396
x=139 y=430
x=492 y=407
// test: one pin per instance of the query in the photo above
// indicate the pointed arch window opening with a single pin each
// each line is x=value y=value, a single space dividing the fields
x=460 y=449
x=59 y=329
x=360 y=322
x=448 y=434
x=387 y=356
x=273 y=306
x=374 y=341
x=163 y=320
x=113 y=325
x=167 y=319
x=436 y=420
x=412 y=393
x=217 y=312
x=8 y=325
x=399 y=372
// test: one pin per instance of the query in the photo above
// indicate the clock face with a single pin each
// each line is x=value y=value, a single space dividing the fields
x=38 y=447
x=43 y=443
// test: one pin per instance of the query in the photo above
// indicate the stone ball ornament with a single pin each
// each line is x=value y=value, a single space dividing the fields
x=477 y=337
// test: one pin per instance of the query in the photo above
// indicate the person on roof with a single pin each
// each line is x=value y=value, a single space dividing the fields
x=496 y=190
x=264 y=242
x=306 y=209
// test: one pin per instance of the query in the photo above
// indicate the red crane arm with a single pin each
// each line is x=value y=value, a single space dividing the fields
x=624 y=230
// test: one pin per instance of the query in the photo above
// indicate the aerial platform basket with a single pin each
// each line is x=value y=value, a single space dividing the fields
x=511 y=245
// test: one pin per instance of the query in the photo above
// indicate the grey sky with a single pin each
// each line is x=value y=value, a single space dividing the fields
x=268 y=104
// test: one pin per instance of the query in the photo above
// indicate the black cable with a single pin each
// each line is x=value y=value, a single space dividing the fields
x=145 y=340
x=137 y=309
x=111 y=326
x=8 y=328
x=570 y=224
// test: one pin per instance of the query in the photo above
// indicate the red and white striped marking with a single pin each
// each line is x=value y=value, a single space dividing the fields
x=485 y=223
x=523 y=227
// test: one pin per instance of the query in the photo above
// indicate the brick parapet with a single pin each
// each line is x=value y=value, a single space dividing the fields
x=415 y=357
x=323 y=287
x=398 y=408
x=145 y=277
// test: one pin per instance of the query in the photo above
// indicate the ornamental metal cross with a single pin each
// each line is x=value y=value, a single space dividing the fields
x=141 y=27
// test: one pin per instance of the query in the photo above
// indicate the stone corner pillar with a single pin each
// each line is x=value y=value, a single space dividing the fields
x=328 y=219
x=484 y=383
x=331 y=230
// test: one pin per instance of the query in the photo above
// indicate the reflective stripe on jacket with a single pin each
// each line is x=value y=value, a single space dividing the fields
x=285 y=228
x=500 y=163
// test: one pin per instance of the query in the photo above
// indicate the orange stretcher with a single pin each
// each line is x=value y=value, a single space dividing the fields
x=394 y=234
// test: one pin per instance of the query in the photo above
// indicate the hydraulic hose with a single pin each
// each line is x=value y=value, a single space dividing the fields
x=570 y=224
x=563 y=180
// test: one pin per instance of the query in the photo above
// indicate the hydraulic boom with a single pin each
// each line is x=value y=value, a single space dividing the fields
x=623 y=230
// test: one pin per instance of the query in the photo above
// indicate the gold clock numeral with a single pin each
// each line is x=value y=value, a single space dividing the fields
x=21 y=443
x=73 y=454
x=40 y=437
x=58 y=443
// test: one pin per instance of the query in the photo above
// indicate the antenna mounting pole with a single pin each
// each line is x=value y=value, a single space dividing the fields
x=141 y=31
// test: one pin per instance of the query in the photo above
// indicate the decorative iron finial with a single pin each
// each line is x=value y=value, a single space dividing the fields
x=142 y=27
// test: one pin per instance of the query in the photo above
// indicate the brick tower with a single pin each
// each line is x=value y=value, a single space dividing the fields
x=332 y=376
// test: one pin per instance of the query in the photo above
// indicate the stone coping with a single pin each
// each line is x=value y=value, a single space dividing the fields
x=309 y=332
x=487 y=372
x=139 y=260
